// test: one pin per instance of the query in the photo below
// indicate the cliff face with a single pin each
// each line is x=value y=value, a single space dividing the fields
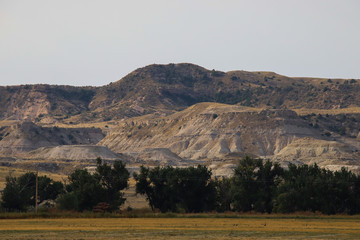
x=219 y=135
x=24 y=103
x=208 y=131
x=43 y=103
x=330 y=154
x=25 y=137
x=74 y=153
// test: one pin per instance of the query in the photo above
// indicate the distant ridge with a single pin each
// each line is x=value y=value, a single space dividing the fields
x=182 y=115
x=163 y=89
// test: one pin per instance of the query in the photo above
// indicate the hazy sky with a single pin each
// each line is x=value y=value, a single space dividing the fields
x=84 y=42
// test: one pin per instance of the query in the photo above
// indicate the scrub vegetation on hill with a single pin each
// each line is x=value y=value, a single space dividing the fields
x=172 y=87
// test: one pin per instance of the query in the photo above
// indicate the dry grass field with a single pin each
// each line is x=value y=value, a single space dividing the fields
x=257 y=227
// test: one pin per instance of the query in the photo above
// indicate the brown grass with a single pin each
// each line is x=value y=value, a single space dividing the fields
x=304 y=111
x=181 y=228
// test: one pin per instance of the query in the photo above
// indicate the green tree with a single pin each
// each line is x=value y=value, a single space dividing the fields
x=160 y=186
x=309 y=188
x=245 y=187
x=268 y=177
x=86 y=190
x=224 y=197
x=296 y=192
x=48 y=188
x=196 y=190
x=345 y=192
x=174 y=189
x=255 y=184
x=68 y=201
x=113 y=180
x=19 y=193
x=14 y=197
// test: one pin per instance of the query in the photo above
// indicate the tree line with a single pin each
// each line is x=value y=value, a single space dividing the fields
x=84 y=190
x=256 y=186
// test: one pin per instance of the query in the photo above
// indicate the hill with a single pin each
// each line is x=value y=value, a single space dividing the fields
x=212 y=132
x=43 y=103
x=27 y=136
x=182 y=115
x=164 y=89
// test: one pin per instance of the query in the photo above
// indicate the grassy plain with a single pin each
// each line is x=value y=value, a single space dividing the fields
x=256 y=227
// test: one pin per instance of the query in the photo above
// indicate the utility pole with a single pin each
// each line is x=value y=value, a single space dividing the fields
x=36 y=193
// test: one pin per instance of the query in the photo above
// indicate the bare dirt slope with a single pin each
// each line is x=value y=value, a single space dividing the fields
x=181 y=115
x=74 y=153
x=329 y=154
x=27 y=136
x=211 y=130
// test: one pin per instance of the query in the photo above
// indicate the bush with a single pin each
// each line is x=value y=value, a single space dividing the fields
x=68 y=201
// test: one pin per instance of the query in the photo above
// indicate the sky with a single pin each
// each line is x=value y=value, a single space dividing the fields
x=93 y=43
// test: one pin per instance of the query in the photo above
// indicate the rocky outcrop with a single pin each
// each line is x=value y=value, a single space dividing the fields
x=158 y=156
x=210 y=131
x=24 y=103
x=222 y=169
x=27 y=136
x=329 y=154
x=74 y=153
x=43 y=103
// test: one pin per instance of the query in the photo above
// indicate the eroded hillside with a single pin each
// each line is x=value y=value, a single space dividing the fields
x=43 y=103
x=27 y=136
x=208 y=130
x=165 y=89
x=219 y=135
x=182 y=115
